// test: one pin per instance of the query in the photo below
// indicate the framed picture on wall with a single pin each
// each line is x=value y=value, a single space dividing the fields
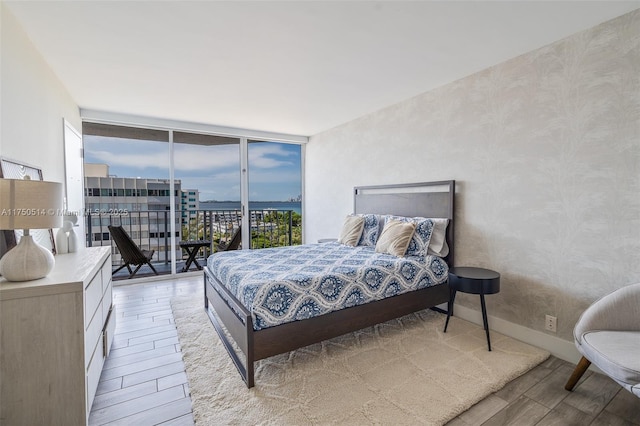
x=11 y=169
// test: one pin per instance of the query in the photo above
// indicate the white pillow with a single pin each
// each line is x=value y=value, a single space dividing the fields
x=395 y=237
x=438 y=244
x=351 y=230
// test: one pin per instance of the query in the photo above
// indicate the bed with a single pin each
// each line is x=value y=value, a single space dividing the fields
x=250 y=316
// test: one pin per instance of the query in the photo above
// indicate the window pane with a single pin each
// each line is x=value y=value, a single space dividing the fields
x=275 y=188
x=208 y=168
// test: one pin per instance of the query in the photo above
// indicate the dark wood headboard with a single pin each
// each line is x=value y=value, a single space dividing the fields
x=425 y=199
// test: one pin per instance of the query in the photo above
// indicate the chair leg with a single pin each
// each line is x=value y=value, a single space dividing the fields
x=123 y=266
x=137 y=268
x=154 y=269
x=577 y=373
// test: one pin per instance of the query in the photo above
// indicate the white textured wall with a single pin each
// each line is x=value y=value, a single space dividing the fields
x=545 y=150
x=33 y=103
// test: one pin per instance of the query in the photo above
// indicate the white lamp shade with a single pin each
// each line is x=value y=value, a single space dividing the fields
x=30 y=204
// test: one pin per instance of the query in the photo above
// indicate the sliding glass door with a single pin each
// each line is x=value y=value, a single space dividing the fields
x=127 y=184
x=184 y=195
x=207 y=168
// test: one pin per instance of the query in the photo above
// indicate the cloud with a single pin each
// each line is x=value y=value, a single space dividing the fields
x=220 y=186
x=126 y=153
x=195 y=157
x=273 y=176
x=267 y=155
x=139 y=161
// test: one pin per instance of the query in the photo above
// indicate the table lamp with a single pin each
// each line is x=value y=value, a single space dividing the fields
x=29 y=204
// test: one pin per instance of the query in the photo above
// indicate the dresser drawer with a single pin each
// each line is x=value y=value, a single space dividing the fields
x=106 y=302
x=93 y=373
x=106 y=273
x=92 y=298
x=93 y=333
x=109 y=331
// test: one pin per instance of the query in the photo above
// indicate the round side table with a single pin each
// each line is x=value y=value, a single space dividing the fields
x=473 y=281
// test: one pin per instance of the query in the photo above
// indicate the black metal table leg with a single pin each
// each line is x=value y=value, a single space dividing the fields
x=484 y=319
x=452 y=298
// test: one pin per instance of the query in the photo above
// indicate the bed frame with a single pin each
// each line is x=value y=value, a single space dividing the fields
x=430 y=199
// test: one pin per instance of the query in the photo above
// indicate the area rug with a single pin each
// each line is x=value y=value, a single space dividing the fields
x=405 y=371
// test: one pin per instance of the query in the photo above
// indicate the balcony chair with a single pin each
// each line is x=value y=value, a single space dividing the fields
x=232 y=244
x=608 y=335
x=130 y=252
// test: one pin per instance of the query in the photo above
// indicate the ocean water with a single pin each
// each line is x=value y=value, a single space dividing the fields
x=253 y=205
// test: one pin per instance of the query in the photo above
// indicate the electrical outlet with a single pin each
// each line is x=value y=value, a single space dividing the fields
x=550 y=323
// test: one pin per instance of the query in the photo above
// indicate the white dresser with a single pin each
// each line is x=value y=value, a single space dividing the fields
x=55 y=333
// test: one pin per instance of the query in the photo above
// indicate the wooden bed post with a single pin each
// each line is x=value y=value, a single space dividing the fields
x=238 y=325
x=249 y=380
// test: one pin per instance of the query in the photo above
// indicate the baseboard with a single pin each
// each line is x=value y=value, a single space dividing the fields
x=558 y=347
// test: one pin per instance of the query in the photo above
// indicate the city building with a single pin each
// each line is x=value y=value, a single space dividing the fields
x=189 y=204
x=141 y=206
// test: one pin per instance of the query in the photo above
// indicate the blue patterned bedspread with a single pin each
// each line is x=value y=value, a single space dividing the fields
x=279 y=285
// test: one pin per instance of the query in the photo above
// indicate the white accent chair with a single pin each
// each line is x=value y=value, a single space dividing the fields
x=608 y=335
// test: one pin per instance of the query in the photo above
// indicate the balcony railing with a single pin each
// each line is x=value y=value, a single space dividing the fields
x=151 y=230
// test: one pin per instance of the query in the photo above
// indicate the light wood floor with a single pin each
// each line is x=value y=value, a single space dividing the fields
x=144 y=383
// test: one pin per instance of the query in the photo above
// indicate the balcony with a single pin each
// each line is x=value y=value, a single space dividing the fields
x=151 y=230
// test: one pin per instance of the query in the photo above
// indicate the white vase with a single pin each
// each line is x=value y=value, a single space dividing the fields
x=72 y=241
x=62 y=241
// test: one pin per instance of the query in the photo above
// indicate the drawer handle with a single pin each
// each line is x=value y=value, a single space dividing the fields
x=105 y=334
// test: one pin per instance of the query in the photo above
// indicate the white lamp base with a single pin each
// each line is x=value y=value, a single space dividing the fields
x=27 y=261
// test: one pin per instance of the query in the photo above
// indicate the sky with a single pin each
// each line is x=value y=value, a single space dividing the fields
x=274 y=168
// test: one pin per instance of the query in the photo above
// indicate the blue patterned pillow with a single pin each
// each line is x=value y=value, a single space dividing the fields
x=371 y=229
x=419 y=244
